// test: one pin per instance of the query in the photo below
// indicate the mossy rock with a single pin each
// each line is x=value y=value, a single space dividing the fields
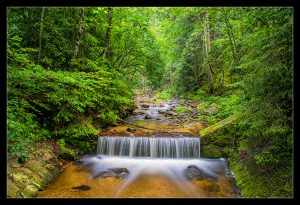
x=51 y=168
x=27 y=171
x=211 y=129
x=29 y=191
x=20 y=179
x=211 y=151
x=12 y=189
x=46 y=175
x=38 y=181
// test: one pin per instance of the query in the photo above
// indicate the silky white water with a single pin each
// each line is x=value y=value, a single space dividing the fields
x=173 y=169
x=158 y=147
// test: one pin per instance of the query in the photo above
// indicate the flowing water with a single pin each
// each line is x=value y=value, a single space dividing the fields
x=146 y=158
x=155 y=147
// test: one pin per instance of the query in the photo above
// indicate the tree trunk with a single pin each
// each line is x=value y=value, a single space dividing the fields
x=108 y=33
x=41 y=33
x=235 y=54
x=79 y=32
x=207 y=50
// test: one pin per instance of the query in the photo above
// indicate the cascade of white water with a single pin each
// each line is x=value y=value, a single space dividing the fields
x=158 y=147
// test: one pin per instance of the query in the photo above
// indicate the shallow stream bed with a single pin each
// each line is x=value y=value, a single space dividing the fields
x=162 y=176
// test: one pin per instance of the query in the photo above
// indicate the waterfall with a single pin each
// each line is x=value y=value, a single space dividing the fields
x=158 y=147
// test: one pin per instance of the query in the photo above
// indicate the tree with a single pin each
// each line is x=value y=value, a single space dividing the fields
x=41 y=33
x=79 y=32
x=108 y=32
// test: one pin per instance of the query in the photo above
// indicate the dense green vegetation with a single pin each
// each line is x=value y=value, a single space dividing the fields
x=73 y=71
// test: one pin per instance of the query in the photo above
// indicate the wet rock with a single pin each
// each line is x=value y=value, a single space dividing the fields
x=145 y=106
x=82 y=187
x=193 y=172
x=147 y=116
x=138 y=113
x=161 y=111
x=129 y=129
x=212 y=187
x=170 y=113
x=112 y=172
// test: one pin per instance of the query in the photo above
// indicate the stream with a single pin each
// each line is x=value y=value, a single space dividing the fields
x=150 y=155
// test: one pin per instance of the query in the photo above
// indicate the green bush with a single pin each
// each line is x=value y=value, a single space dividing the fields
x=67 y=105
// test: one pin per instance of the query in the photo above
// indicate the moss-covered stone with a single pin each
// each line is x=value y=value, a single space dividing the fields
x=30 y=191
x=12 y=189
x=211 y=151
x=38 y=181
x=51 y=168
x=20 y=179
x=26 y=180
x=217 y=125
x=39 y=186
x=27 y=172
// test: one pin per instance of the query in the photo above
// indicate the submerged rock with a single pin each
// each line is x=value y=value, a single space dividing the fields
x=82 y=187
x=161 y=111
x=145 y=106
x=112 y=172
x=147 y=116
x=193 y=172
x=212 y=187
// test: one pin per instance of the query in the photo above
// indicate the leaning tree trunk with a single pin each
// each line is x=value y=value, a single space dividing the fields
x=108 y=33
x=79 y=32
x=41 y=33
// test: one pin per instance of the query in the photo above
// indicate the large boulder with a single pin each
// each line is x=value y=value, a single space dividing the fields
x=194 y=172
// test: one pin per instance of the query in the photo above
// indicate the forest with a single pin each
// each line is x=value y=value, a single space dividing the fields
x=74 y=71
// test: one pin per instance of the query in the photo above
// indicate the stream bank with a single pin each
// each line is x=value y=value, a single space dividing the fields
x=26 y=180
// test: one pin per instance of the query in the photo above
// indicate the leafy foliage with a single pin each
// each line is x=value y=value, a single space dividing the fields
x=234 y=61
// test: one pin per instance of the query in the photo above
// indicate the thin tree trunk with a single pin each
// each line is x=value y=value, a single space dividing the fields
x=235 y=53
x=79 y=32
x=207 y=50
x=41 y=33
x=108 y=33
x=231 y=38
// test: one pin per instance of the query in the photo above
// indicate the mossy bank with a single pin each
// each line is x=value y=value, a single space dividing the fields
x=25 y=180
